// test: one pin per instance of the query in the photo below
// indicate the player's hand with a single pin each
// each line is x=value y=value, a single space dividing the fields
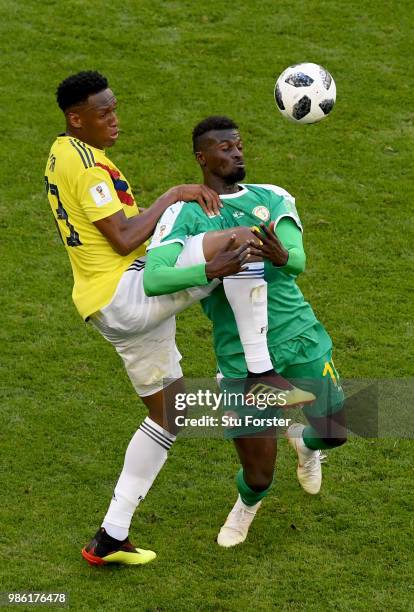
x=228 y=260
x=270 y=248
x=207 y=198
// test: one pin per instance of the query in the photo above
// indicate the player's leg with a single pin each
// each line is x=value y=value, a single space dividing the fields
x=132 y=312
x=247 y=296
x=144 y=458
x=257 y=457
x=326 y=432
x=246 y=293
x=152 y=361
x=248 y=426
x=326 y=417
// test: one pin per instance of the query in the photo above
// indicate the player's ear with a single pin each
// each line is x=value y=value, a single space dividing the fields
x=200 y=158
x=74 y=119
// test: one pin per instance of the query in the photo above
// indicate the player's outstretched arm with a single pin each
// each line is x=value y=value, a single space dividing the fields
x=126 y=234
x=161 y=276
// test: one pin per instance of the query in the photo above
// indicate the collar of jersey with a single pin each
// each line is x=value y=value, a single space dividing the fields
x=63 y=135
x=242 y=191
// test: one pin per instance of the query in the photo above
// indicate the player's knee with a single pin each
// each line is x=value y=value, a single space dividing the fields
x=334 y=442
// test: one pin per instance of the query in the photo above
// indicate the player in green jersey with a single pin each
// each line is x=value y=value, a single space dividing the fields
x=299 y=346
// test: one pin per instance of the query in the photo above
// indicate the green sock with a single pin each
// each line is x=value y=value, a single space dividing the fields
x=312 y=440
x=248 y=496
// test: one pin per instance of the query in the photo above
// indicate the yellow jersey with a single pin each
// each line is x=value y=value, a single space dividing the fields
x=84 y=186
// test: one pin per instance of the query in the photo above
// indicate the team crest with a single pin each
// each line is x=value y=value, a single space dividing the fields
x=261 y=212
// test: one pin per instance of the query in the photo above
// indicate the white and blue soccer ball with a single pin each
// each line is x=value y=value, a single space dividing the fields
x=305 y=93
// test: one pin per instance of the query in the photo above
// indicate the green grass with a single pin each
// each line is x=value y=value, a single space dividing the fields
x=67 y=408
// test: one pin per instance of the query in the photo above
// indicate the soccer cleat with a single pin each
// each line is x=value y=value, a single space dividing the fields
x=103 y=549
x=236 y=527
x=309 y=468
x=271 y=383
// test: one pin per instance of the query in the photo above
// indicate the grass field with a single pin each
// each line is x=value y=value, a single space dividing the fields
x=67 y=408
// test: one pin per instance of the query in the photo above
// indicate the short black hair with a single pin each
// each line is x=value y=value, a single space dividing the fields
x=215 y=122
x=77 y=87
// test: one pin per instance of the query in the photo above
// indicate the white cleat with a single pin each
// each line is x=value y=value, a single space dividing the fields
x=236 y=527
x=309 y=468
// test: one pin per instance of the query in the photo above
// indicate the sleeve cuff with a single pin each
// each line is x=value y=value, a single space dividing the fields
x=200 y=274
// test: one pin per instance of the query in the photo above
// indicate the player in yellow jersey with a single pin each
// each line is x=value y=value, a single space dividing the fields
x=104 y=235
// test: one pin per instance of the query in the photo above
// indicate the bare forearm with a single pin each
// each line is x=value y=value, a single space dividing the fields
x=126 y=234
x=138 y=229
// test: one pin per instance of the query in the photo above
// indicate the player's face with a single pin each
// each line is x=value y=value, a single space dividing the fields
x=222 y=155
x=96 y=121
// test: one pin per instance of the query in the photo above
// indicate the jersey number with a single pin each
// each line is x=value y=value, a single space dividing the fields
x=73 y=239
x=331 y=370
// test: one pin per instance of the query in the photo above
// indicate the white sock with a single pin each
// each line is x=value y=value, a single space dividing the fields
x=144 y=458
x=246 y=293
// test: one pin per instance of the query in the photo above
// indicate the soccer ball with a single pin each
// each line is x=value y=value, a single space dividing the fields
x=305 y=93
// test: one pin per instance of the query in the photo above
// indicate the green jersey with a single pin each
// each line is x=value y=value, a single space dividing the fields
x=252 y=205
x=289 y=314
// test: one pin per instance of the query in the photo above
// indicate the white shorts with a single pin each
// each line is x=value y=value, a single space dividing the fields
x=142 y=328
